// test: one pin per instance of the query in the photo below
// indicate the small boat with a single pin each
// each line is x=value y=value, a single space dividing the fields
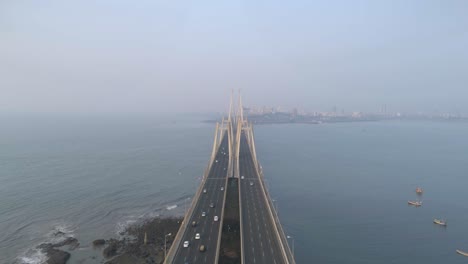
x=440 y=222
x=462 y=253
x=419 y=190
x=415 y=203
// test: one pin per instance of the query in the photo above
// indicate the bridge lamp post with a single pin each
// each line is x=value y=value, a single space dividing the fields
x=165 y=244
x=292 y=238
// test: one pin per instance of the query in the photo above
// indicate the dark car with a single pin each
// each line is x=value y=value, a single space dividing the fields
x=202 y=248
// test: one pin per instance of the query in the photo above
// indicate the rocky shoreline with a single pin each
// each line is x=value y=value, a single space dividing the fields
x=56 y=255
x=140 y=243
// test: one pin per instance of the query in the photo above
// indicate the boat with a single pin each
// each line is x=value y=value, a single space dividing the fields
x=462 y=253
x=419 y=190
x=440 y=222
x=415 y=203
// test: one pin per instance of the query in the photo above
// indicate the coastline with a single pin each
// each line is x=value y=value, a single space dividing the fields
x=142 y=242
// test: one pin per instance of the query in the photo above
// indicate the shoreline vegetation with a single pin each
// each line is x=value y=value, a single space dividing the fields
x=140 y=243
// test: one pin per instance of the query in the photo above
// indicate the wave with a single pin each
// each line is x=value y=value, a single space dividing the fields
x=33 y=255
x=171 y=207
x=127 y=221
x=122 y=226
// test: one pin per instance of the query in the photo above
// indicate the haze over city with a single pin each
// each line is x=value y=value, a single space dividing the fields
x=171 y=56
x=233 y=132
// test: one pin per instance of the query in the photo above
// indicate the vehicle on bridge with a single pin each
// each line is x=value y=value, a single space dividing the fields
x=202 y=248
x=267 y=243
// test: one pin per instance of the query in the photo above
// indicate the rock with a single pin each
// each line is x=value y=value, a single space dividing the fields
x=57 y=256
x=69 y=241
x=144 y=252
x=45 y=247
x=74 y=246
x=131 y=248
x=59 y=233
x=110 y=250
x=99 y=242
x=125 y=258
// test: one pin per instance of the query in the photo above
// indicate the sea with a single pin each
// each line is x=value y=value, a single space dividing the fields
x=341 y=189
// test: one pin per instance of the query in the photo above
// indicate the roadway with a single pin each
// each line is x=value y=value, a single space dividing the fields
x=206 y=226
x=261 y=243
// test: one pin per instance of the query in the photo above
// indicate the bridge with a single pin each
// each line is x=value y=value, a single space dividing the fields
x=232 y=211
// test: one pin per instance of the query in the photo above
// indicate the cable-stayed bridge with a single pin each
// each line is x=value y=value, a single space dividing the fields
x=232 y=218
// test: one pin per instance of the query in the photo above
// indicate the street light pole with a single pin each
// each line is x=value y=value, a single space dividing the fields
x=165 y=244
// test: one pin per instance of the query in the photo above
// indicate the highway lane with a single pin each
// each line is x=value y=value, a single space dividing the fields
x=260 y=240
x=206 y=226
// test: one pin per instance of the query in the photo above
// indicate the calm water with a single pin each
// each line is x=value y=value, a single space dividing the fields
x=341 y=189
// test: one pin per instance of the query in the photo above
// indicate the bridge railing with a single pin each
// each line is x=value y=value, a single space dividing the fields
x=283 y=236
x=183 y=227
x=274 y=214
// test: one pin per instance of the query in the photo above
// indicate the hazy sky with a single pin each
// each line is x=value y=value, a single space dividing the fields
x=153 y=56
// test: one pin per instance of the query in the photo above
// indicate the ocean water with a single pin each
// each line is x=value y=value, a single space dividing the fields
x=92 y=176
x=341 y=189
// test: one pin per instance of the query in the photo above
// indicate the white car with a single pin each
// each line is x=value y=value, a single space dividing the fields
x=197 y=236
x=204 y=190
x=203 y=214
x=216 y=218
x=186 y=244
x=251 y=183
x=242 y=177
x=216 y=160
x=222 y=188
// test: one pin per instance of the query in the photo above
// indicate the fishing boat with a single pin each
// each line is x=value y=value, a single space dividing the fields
x=462 y=253
x=415 y=203
x=419 y=190
x=440 y=222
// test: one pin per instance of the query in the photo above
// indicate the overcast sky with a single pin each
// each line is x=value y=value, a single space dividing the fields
x=154 y=56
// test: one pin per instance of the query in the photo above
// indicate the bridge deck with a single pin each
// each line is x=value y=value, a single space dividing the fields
x=206 y=226
x=261 y=244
